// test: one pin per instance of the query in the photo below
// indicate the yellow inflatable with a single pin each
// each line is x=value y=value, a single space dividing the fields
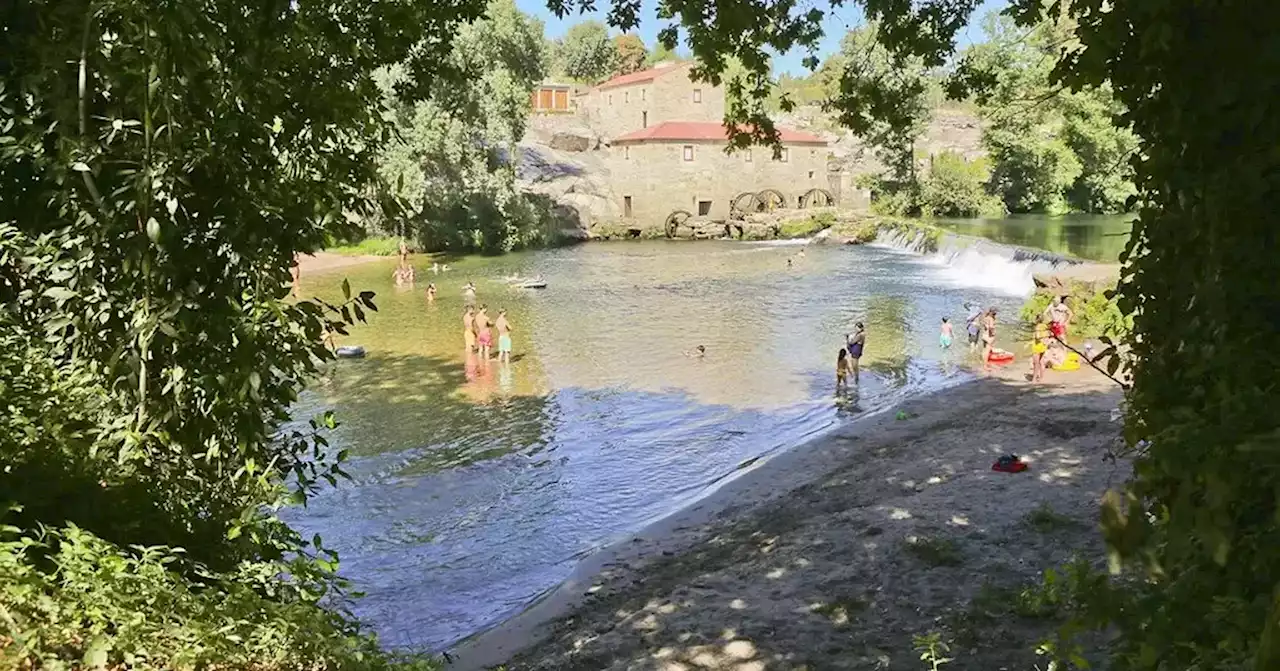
x=1072 y=362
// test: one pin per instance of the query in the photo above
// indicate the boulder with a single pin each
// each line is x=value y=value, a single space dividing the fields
x=572 y=141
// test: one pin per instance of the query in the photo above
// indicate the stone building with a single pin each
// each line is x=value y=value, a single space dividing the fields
x=682 y=165
x=650 y=97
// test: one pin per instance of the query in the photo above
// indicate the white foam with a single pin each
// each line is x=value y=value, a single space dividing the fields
x=962 y=261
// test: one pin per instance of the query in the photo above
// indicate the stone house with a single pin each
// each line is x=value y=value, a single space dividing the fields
x=647 y=98
x=682 y=165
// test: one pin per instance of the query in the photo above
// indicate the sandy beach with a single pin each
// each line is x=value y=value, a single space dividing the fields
x=833 y=555
x=321 y=262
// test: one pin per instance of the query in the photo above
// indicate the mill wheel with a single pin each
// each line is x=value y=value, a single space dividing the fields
x=675 y=220
x=743 y=204
x=817 y=198
x=771 y=199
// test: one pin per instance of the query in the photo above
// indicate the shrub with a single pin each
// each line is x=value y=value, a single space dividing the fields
x=955 y=187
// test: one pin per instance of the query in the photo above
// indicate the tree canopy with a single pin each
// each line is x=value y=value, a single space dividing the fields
x=631 y=54
x=587 y=53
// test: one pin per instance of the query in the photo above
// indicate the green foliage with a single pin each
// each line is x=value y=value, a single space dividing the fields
x=587 y=52
x=70 y=598
x=631 y=54
x=935 y=551
x=883 y=100
x=370 y=246
x=955 y=187
x=1046 y=520
x=807 y=226
x=160 y=166
x=661 y=53
x=933 y=650
x=1095 y=314
x=452 y=161
x=1052 y=150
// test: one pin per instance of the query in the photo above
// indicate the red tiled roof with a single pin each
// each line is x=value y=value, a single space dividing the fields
x=703 y=131
x=641 y=76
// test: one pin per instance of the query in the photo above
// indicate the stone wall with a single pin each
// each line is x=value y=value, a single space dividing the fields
x=658 y=180
x=668 y=97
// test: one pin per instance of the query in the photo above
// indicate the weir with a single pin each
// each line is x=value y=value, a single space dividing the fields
x=964 y=260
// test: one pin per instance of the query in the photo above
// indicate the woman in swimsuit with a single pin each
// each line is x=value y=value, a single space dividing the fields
x=1039 y=345
x=854 y=344
x=988 y=337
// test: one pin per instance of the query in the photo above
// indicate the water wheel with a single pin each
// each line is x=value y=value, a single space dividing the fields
x=771 y=200
x=743 y=204
x=817 y=198
x=675 y=220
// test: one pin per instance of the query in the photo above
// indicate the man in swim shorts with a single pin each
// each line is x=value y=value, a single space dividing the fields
x=469 y=328
x=484 y=337
x=1059 y=316
x=504 y=336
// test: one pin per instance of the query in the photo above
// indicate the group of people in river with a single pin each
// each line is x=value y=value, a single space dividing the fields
x=478 y=331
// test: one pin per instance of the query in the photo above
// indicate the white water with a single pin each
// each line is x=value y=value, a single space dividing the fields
x=963 y=261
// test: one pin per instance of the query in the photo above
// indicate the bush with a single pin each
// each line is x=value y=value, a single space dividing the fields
x=72 y=599
x=955 y=187
x=1094 y=314
x=808 y=226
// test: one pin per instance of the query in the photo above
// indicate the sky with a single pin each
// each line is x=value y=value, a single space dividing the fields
x=838 y=21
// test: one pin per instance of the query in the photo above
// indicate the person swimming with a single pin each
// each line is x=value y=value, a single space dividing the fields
x=697 y=352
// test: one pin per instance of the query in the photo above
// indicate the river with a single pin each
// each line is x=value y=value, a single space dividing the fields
x=477 y=487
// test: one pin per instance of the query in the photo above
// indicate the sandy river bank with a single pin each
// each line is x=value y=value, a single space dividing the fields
x=833 y=555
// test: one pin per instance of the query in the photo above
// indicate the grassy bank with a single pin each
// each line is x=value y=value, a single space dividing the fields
x=372 y=246
x=1094 y=313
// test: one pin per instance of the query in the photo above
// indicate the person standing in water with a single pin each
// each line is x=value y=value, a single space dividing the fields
x=855 y=344
x=484 y=337
x=469 y=293
x=431 y=292
x=469 y=328
x=988 y=337
x=973 y=325
x=296 y=271
x=944 y=337
x=504 y=336
x=842 y=369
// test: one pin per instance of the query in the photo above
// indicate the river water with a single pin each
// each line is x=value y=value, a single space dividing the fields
x=477 y=487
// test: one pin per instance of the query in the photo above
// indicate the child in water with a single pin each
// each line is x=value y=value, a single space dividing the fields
x=842 y=368
x=944 y=338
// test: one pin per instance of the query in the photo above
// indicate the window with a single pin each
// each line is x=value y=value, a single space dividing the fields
x=610 y=99
x=626 y=206
x=697 y=95
x=748 y=159
x=626 y=153
x=644 y=119
x=810 y=174
x=785 y=155
x=642 y=93
x=626 y=96
x=688 y=152
x=704 y=208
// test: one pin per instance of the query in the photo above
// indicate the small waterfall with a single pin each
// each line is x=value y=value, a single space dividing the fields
x=967 y=261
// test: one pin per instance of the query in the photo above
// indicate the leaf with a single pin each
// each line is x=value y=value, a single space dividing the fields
x=346 y=289
x=153 y=230
x=234 y=532
x=80 y=166
x=95 y=656
x=59 y=294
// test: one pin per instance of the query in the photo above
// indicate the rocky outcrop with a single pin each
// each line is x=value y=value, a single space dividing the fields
x=576 y=182
x=571 y=141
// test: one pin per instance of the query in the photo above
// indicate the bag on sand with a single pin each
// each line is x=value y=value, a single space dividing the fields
x=1009 y=463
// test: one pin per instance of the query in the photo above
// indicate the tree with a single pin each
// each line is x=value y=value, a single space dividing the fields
x=453 y=160
x=161 y=164
x=588 y=54
x=661 y=53
x=884 y=101
x=1053 y=150
x=631 y=54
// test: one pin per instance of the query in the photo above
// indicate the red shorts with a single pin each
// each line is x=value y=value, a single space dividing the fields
x=1057 y=329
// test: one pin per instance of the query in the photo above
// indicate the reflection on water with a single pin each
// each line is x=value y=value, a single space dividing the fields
x=1090 y=237
x=478 y=485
